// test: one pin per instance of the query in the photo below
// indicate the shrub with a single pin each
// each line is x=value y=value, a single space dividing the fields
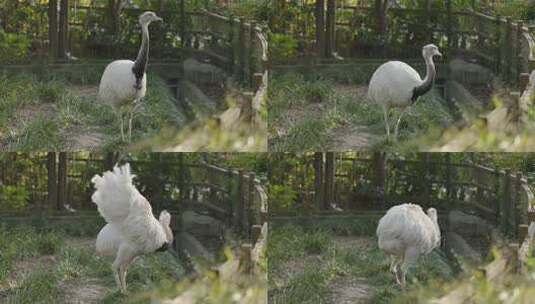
x=281 y=196
x=13 y=47
x=49 y=92
x=13 y=197
x=282 y=46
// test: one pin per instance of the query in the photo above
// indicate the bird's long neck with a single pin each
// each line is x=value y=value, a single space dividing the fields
x=427 y=83
x=142 y=59
x=168 y=232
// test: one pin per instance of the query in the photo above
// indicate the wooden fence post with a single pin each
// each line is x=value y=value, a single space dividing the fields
x=232 y=44
x=516 y=204
x=498 y=187
x=239 y=207
x=241 y=49
x=319 y=13
x=448 y=26
x=330 y=27
x=498 y=55
x=448 y=176
x=518 y=49
x=255 y=233
x=230 y=198
x=245 y=258
x=508 y=50
x=506 y=202
x=523 y=82
x=251 y=67
x=182 y=25
x=515 y=107
x=249 y=216
x=318 y=179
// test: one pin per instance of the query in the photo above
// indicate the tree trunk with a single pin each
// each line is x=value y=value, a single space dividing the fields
x=320 y=27
x=52 y=28
x=114 y=7
x=110 y=160
x=381 y=7
x=63 y=28
x=329 y=180
x=62 y=180
x=52 y=179
x=318 y=179
x=329 y=31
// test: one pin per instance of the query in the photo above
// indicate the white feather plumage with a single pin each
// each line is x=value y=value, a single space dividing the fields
x=396 y=84
x=405 y=232
x=117 y=84
x=132 y=230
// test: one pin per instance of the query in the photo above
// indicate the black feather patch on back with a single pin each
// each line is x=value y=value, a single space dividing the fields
x=421 y=90
x=164 y=247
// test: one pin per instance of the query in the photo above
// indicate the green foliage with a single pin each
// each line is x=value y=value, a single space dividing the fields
x=48 y=243
x=298 y=123
x=37 y=135
x=13 y=47
x=49 y=92
x=13 y=197
x=281 y=197
x=317 y=242
x=39 y=286
x=259 y=10
x=516 y=9
x=298 y=275
x=282 y=46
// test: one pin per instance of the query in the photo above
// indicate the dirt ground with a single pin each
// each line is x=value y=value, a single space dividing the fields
x=77 y=291
x=75 y=137
x=83 y=137
x=349 y=136
x=343 y=289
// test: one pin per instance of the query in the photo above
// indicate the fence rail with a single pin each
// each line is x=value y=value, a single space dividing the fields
x=502 y=44
x=236 y=44
x=500 y=196
x=234 y=196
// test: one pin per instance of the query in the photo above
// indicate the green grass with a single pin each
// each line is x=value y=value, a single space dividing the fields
x=305 y=114
x=41 y=112
x=150 y=277
x=72 y=264
x=322 y=262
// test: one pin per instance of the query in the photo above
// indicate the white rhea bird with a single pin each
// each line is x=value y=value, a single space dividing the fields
x=131 y=229
x=405 y=232
x=395 y=84
x=124 y=82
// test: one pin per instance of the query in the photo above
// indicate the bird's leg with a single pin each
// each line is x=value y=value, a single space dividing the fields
x=394 y=263
x=385 y=111
x=397 y=124
x=120 y=114
x=136 y=106
x=122 y=278
x=116 y=270
x=123 y=258
x=409 y=258
x=130 y=125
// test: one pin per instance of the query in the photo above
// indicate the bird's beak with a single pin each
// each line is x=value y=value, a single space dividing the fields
x=439 y=54
x=159 y=19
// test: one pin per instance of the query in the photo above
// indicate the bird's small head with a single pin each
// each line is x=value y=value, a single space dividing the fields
x=147 y=17
x=431 y=50
x=432 y=213
x=165 y=221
